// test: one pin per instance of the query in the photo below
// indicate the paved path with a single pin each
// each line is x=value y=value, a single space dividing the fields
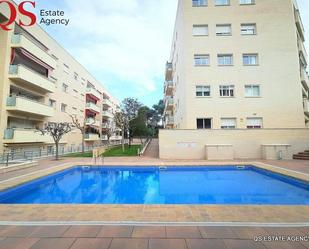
x=153 y=149
x=147 y=237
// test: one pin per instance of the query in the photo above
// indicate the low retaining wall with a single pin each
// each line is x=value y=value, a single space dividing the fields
x=233 y=144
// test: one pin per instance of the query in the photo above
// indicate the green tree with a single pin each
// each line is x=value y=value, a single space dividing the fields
x=139 y=125
x=129 y=110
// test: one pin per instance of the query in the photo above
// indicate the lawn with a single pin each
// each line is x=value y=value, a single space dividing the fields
x=86 y=154
x=117 y=151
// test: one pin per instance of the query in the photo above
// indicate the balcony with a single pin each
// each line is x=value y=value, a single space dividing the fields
x=169 y=104
x=18 y=136
x=93 y=93
x=20 y=41
x=302 y=52
x=92 y=107
x=168 y=88
x=299 y=25
x=29 y=77
x=169 y=122
x=104 y=138
x=116 y=138
x=107 y=114
x=107 y=102
x=169 y=71
x=92 y=122
x=92 y=137
x=304 y=79
x=28 y=106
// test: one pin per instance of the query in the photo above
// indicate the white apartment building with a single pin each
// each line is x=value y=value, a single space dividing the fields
x=237 y=64
x=41 y=82
x=236 y=85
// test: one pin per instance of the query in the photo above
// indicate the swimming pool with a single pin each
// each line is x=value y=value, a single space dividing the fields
x=155 y=185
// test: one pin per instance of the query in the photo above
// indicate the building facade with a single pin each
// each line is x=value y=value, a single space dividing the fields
x=237 y=64
x=41 y=82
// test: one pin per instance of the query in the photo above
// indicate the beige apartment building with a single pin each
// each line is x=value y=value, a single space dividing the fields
x=236 y=65
x=41 y=82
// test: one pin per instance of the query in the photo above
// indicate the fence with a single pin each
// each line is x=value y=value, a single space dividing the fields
x=22 y=156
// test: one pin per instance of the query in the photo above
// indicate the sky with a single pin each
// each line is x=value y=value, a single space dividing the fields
x=124 y=43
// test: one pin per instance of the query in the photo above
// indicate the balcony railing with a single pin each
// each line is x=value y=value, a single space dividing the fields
x=303 y=51
x=107 y=102
x=169 y=104
x=92 y=137
x=115 y=137
x=26 y=136
x=93 y=107
x=29 y=77
x=304 y=79
x=169 y=71
x=21 y=104
x=20 y=41
x=168 y=88
x=92 y=122
x=104 y=138
x=107 y=114
x=299 y=24
x=93 y=92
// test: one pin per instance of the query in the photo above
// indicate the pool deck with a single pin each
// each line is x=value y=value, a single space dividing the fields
x=150 y=227
x=147 y=237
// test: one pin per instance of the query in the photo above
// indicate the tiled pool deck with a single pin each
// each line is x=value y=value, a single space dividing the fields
x=145 y=237
x=202 y=214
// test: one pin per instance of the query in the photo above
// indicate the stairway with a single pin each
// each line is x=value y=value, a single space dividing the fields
x=302 y=155
x=153 y=149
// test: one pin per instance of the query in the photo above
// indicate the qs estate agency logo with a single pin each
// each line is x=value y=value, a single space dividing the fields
x=13 y=11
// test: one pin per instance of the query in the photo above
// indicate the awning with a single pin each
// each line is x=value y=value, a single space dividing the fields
x=35 y=59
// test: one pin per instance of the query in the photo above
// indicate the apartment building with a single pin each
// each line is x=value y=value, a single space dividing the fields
x=237 y=64
x=41 y=82
x=236 y=85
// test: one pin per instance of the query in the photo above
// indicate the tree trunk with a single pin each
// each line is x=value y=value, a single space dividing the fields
x=83 y=142
x=122 y=139
x=57 y=151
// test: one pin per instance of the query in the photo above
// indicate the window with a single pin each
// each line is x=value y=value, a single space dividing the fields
x=250 y=59
x=227 y=91
x=75 y=93
x=222 y=2
x=252 y=91
x=200 y=30
x=52 y=103
x=223 y=29
x=201 y=60
x=63 y=107
x=225 y=59
x=228 y=123
x=254 y=123
x=64 y=88
x=198 y=3
x=245 y=2
x=203 y=123
x=248 y=29
x=76 y=76
x=66 y=68
x=202 y=91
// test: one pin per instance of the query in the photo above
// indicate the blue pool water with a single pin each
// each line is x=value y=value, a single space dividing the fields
x=152 y=185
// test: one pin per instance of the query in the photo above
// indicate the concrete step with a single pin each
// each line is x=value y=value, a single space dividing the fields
x=300 y=157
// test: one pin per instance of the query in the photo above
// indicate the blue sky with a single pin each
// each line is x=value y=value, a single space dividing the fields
x=124 y=43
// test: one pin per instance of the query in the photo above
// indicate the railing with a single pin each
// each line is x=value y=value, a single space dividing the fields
x=92 y=106
x=15 y=157
x=93 y=92
x=144 y=146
